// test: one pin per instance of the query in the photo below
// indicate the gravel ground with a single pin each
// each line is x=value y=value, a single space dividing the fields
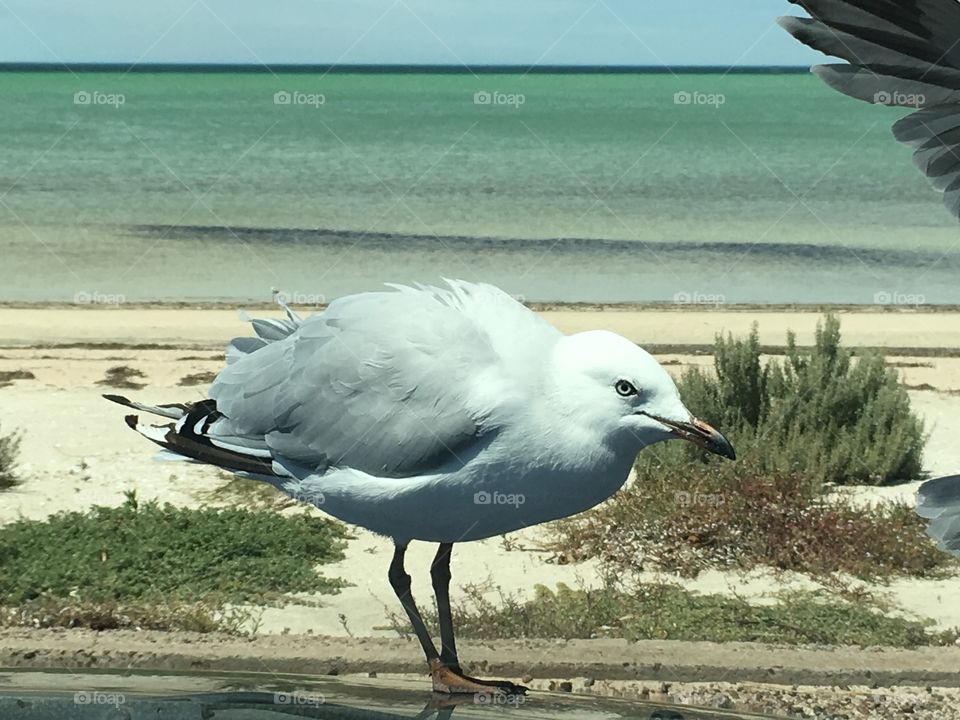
x=808 y=682
x=787 y=701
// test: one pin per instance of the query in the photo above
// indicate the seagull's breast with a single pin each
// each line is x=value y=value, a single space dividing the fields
x=493 y=494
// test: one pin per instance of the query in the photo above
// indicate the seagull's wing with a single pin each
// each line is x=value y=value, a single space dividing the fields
x=939 y=501
x=393 y=384
x=903 y=53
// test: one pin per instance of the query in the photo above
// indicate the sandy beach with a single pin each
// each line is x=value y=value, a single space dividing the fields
x=77 y=451
x=927 y=331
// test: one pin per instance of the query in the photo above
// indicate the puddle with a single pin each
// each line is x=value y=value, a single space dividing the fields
x=113 y=695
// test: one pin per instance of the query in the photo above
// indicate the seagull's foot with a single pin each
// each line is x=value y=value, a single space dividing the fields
x=447 y=679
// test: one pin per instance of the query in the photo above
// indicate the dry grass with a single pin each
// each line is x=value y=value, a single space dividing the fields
x=741 y=516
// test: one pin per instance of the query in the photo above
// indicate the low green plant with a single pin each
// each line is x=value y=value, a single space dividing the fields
x=139 y=559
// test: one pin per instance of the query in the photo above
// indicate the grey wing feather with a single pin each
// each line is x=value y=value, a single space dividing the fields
x=901 y=53
x=939 y=501
x=267 y=331
x=386 y=383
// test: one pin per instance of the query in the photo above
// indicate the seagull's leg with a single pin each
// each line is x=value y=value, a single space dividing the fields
x=440 y=574
x=400 y=581
x=447 y=675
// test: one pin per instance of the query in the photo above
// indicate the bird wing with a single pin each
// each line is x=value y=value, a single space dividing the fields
x=390 y=383
x=939 y=501
x=901 y=53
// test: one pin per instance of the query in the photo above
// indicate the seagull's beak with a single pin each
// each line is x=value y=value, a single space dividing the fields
x=701 y=434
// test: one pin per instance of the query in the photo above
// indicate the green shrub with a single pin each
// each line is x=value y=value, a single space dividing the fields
x=823 y=413
x=148 y=553
x=9 y=452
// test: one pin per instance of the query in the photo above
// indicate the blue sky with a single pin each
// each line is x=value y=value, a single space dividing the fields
x=526 y=32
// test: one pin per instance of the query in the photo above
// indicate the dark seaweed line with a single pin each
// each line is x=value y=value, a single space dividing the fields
x=401 y=242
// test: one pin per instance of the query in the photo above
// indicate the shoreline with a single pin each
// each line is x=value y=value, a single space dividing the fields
x=919 y=333
x=607 y=659
x=537 y=306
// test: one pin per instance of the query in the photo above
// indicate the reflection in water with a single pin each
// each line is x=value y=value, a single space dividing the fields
x=363 y=703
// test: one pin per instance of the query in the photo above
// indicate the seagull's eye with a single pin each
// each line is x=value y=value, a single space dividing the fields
x=625 y=388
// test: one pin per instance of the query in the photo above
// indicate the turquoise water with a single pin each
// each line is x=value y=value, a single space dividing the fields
x=573 y=187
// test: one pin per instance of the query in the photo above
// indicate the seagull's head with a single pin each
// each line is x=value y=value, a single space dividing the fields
x=621 y=390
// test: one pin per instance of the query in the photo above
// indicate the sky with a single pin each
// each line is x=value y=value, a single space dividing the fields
x=447 y=32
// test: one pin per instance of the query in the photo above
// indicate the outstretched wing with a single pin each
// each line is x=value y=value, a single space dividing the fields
x=905 y=54
x=939 y=501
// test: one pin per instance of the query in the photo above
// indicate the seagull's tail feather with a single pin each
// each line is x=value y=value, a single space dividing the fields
x=939 y=501
x=194 y=437
x=174 y=411
x=201 y=433
x=267 y=330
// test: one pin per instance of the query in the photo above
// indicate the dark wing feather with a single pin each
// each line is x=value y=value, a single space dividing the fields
x=897 y=53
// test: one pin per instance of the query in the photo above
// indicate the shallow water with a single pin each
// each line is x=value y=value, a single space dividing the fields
x=596 y=187
x=85 y=695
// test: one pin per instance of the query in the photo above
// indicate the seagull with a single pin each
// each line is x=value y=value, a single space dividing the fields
x=901 y=54
x=441 y=415
x=905 y=54
x=939 y=501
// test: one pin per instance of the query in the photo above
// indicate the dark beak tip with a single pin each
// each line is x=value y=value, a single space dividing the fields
x=715 y=443
x=722 y=447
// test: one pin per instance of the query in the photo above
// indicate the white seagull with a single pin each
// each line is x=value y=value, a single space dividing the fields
x=440 y=415
x=904 y=54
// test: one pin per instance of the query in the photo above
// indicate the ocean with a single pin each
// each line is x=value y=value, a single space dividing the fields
x=694 y=188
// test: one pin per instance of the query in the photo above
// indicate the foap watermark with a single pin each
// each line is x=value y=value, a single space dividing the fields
x=698 y=298
x=895 y=98
x=688 y=499
x=299 y=298
x=313 y=498
x=94 y=697
x=498 y=498
x=499 y=699
x=85 y=297
x=95 y=97
x=295 y=97
x=695 y=97
x=297 y=698
x=495 y=97
x=896 y=297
